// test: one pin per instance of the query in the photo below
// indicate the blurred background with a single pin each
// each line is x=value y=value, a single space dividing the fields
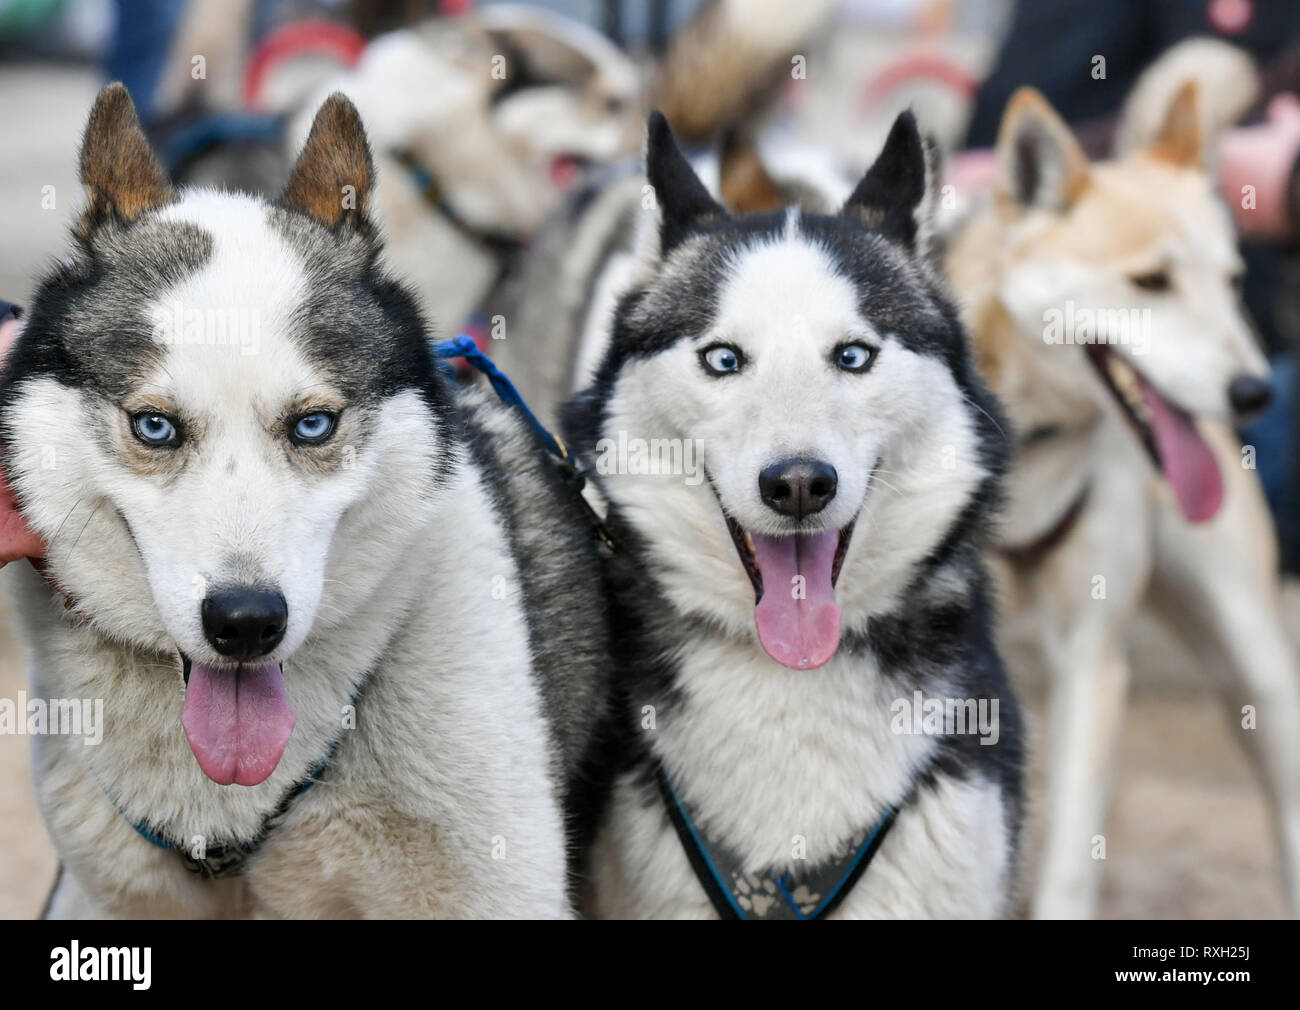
x=222 y=88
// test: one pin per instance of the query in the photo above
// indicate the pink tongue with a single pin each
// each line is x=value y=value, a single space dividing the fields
x=1188 y=463
x=564 y=170
x=237 y=721
x=798 y=621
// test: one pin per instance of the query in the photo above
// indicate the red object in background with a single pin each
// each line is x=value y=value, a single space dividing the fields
x=326 y=38
x=450 y=8
x=1230 y=17
x=939 y=69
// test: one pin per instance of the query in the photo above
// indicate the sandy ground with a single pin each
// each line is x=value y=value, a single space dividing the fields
x=1189 y=833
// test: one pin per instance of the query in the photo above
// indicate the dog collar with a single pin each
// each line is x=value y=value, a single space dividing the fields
x=501 y=244
x=738 y=894
x=1026 y=555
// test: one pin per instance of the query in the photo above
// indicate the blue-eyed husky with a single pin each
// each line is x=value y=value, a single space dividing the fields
x=816 y=718
x=348 y=638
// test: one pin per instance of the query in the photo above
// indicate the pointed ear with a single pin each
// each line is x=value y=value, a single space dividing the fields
x=894 y=196
x=334 y=175
x=1040 y=164
x=684 y=203
x=118 y=168
x=1182 y=138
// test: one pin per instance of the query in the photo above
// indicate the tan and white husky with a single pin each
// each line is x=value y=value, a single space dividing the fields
x=1102 y=299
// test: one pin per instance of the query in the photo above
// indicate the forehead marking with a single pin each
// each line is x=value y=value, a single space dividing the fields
x=787 y=280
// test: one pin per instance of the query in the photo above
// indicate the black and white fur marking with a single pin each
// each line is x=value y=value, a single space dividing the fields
x=778 y=764
x=419 y=551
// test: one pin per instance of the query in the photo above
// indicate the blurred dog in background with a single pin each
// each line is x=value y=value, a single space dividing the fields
x=1103 y=302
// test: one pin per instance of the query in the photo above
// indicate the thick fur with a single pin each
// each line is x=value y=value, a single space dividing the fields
x=1063 y=230
x=420 y=551
x=761 y=753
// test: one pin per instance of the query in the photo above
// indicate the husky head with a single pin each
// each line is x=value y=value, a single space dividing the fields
x=1133 y=264
x=786 y=419
x=196 y=414
x=503 y=108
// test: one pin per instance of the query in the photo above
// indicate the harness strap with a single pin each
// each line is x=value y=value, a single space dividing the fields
x=502 y=244
x=227 y=859
x=464 y=346
x=736 y=893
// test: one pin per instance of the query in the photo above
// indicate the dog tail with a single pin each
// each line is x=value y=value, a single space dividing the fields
x=728 y=61
x=1227 y=80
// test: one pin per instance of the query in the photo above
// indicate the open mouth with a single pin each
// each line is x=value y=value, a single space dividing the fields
x=794 y=580
x=566 y=168
x=1168 y=434
x=237 y=719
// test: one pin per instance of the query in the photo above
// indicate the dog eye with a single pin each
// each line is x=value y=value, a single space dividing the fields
x=155 y=430
x=854 y=357
x=314 y=427
x=1157 y=280
x=721 y=359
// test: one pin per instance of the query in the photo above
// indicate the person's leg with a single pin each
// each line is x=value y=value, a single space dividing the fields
x=142 y=40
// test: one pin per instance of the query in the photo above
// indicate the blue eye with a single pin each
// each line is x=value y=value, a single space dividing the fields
x=855 y=357
x=315 y=427
x=721 y=359
x=155 y=430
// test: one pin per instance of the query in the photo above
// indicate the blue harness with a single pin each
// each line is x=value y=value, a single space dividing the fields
x=227 y=859
x=737 y=893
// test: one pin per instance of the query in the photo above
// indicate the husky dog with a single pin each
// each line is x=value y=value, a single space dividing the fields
x=1102 y=304
x=788 y=612
x=479 y=125
x=282 y=551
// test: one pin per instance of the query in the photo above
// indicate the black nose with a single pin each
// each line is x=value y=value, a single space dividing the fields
x=797 y=487
x=1249 y=394
x=244 y=623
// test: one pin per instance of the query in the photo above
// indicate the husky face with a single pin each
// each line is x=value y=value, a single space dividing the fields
x=1136 y=261
x=819 y=368
x=202 y=396
x=505 y=107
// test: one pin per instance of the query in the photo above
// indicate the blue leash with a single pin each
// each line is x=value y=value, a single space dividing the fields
x=463 y=346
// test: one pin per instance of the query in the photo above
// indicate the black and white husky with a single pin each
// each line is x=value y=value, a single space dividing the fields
x=818 y=720
x=347 y=636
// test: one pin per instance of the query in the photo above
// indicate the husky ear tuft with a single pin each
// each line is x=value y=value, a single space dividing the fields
x=1182 y=138
x=684 y=203
x=333 y=176
x=1040 y=164
x=894 y=196
x=118 y=168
